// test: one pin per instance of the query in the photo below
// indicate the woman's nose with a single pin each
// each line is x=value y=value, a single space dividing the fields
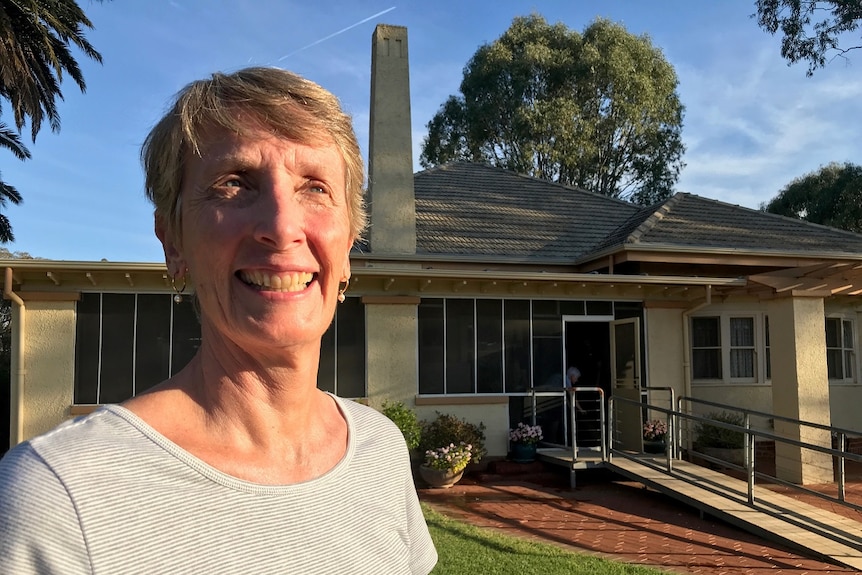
x=278 y=216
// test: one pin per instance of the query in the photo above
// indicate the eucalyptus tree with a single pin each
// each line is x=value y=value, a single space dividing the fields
x=598 y=110
x=831 y=196
x=36 y=40
x=811 y=30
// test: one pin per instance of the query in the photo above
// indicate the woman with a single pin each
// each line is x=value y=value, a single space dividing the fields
x=238 y=463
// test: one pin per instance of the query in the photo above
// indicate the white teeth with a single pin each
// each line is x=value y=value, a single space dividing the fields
x=289 y=282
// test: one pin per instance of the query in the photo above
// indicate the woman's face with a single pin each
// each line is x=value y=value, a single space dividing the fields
x=265 y=237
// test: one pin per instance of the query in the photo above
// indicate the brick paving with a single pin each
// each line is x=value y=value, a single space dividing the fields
x=618 y=519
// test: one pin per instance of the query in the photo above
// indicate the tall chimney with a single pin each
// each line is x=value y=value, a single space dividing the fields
x=390 y=149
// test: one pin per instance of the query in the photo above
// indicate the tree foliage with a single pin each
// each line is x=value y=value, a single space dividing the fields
x=36 y=41
x=831 y=196
x=810 y=29
x=597 y=110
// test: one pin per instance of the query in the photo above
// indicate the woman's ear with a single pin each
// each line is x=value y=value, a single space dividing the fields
x=171 y=246
x=345 y=270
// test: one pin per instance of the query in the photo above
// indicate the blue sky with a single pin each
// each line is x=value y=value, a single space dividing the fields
x=752 y=123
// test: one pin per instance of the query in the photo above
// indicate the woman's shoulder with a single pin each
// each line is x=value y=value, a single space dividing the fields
x=366 y=420
x=77 y=442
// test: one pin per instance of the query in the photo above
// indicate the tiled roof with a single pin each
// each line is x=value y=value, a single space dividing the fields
x=466 y=209
x=686 y=220
x=470 y=209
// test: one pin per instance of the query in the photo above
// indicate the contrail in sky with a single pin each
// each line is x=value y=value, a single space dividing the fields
x=337 y=33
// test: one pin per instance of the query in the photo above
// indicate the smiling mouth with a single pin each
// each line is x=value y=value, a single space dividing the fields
x=289 y=282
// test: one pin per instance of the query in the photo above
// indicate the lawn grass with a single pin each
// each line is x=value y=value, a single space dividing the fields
x=468 y=550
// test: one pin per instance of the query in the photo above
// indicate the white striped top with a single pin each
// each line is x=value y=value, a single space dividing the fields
x=107 y=494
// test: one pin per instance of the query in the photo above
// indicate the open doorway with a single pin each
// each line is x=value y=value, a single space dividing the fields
x=587 y=348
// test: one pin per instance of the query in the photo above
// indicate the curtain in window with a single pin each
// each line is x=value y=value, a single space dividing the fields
x=741 y=347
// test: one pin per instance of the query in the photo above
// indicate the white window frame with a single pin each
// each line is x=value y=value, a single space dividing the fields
x=758 y=346
x=843 y=321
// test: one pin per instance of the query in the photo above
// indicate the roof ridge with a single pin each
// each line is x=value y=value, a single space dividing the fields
x=535 y=179
x=658 y=214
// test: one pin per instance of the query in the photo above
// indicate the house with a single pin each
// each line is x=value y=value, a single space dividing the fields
x=478 y=286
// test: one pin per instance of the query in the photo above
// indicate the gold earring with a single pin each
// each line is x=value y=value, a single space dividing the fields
x=341 y=290
x=178 y=297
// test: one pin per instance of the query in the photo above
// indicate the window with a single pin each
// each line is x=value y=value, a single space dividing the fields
x=724 y=348
x=497 y=346
x=767 y=347
x=125 y=343
x=742 y=347
x=342 y=352
x=839 y=349
x=706 y=348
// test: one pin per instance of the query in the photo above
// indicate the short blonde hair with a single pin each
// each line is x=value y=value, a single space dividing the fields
x=288 y=104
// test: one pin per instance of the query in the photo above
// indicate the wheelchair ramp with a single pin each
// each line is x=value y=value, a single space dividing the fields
x=773 y=516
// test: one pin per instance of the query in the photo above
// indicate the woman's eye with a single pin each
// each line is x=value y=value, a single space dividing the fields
x=228 y=186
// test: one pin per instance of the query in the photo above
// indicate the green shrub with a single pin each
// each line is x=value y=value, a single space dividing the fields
x=715 y=436
x=446 y=429
x=406 y=420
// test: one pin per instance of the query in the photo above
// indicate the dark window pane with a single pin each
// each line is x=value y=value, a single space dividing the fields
x=834 y=364
x=548 y=362
x=705 y=332
x=572 y=307
x=628 y=309
x=489 y=316
x=431 y=364
x=547 y=345
x=460 y=350
x=600 y=308
x=326 y=368
x=833 y=332
x=118 y=331
x=517 y=341
x=152 y=340
x=545 y=309
x=706 y=364
x=848 y=334
x=350 y=359
x=186 y=334
x=742 y=332
x=87 y=348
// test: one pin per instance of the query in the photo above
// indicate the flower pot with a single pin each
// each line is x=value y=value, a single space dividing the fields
x=439 y=478
x=654 y=446
x=523 y=452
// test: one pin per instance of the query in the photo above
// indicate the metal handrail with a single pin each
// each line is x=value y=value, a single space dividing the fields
x=750 y=435
x=572 y=391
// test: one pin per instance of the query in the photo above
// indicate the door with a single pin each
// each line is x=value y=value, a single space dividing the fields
x=627 y=432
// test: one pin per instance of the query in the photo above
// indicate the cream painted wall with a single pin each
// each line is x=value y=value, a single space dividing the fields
x=845 y=402
x=50 y=364
x=755 y=397
x=664 y=344
x=391 y=353
x=494 y=416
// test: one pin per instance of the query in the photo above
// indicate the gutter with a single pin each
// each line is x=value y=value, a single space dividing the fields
x=16 y=379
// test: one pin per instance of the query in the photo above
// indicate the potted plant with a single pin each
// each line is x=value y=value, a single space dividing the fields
x=655 y=436
x=406 y=420
x=446 y=429
x=444 y=466
x=523 y=440
x=721 y=442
